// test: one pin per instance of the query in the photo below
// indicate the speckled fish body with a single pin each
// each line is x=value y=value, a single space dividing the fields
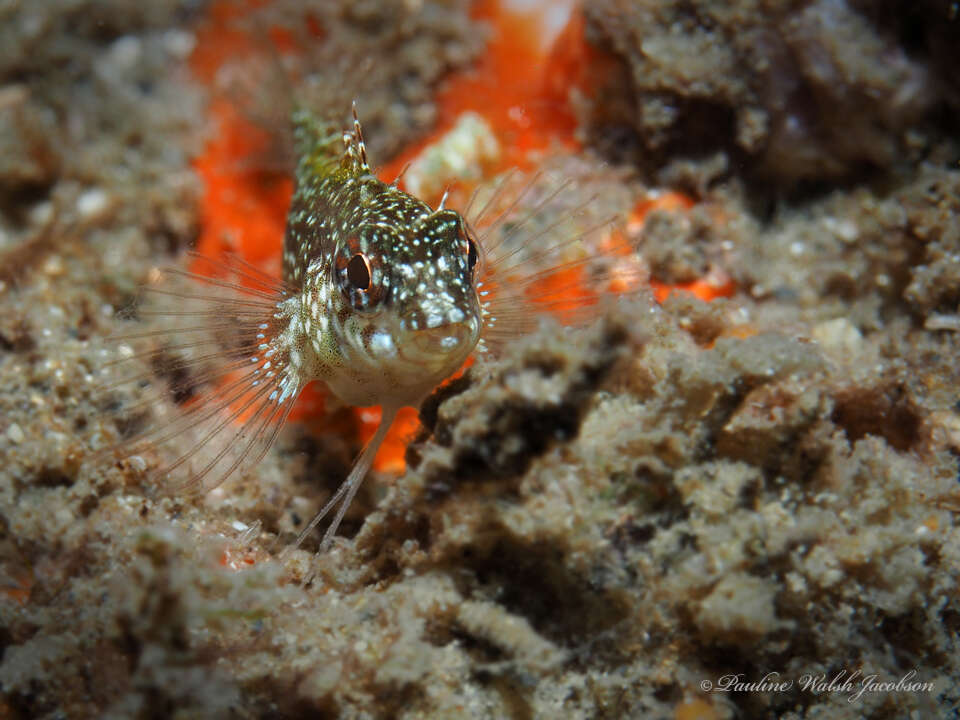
x=388 y=306
x=377 y=301
x=380 y=300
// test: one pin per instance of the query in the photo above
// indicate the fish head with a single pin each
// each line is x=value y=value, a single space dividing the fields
x=407 y=313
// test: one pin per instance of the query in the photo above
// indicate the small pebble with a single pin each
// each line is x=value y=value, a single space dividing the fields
x=91 y=203
x=15 y=434
x=126 y=51
x=179 y=43
x=41 y=213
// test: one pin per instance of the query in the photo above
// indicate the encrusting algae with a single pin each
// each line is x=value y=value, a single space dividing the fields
x=382 y=298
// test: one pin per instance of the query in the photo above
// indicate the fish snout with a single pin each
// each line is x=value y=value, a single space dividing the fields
x=440 y=342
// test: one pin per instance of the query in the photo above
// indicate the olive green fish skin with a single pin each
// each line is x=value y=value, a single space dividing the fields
x=388 y=305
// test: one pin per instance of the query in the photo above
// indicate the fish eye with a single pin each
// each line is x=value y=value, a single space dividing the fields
x=471 y=254
x=471 y=249
x=358 y=272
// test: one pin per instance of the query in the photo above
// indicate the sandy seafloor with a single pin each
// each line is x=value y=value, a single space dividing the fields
x=599 y=524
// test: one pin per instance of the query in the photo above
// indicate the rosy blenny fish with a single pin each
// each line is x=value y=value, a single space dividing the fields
x=382 y=298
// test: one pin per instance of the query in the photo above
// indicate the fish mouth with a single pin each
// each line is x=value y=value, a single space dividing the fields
x=444 y=341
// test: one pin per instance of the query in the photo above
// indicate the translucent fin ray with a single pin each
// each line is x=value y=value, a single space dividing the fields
x=213 y=392
x=540 y=257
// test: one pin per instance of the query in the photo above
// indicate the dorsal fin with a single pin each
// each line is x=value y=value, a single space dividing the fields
x=355 y=152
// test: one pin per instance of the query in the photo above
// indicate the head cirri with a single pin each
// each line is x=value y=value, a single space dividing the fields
x=388 y=305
